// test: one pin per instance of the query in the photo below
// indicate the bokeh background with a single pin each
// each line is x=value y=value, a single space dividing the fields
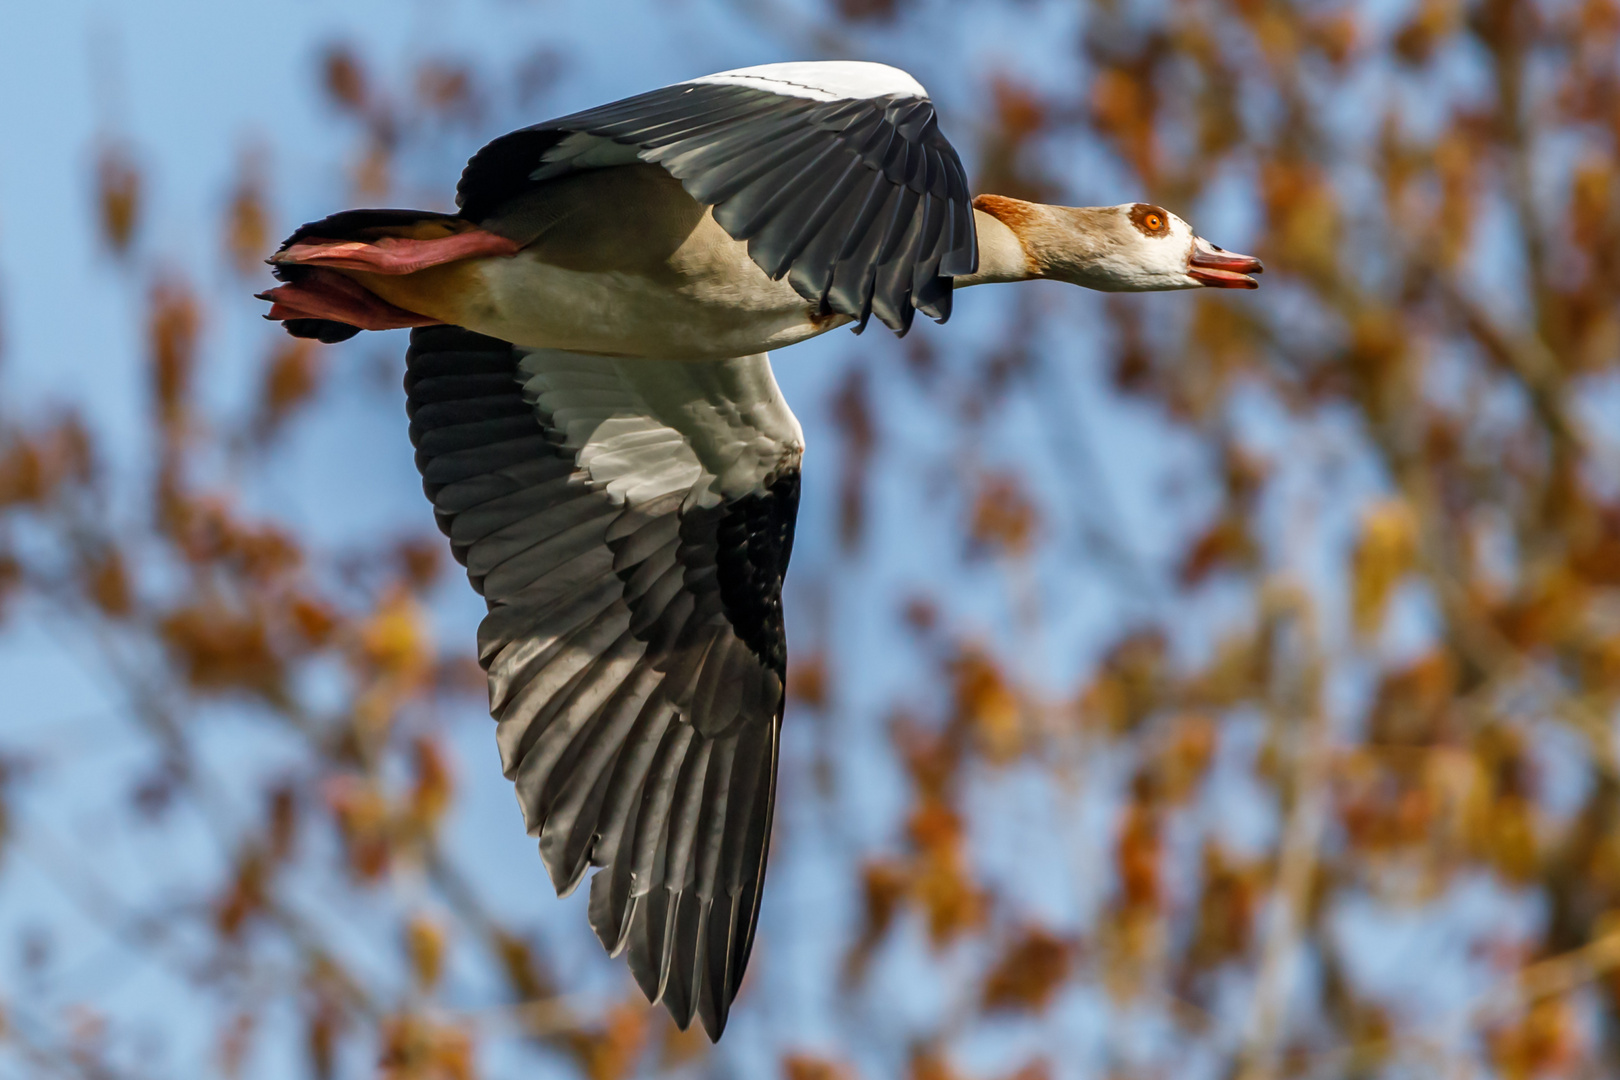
x=1216 y=685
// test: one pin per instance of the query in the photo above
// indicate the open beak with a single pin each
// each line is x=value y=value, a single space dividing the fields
x=1222 y=269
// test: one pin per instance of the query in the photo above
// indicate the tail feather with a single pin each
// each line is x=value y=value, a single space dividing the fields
x=319 y=302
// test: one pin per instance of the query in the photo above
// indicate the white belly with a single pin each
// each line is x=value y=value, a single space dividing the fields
x=709 y=301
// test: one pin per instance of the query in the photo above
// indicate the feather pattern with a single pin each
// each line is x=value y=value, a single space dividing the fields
x=629 y=523
x=804 y=162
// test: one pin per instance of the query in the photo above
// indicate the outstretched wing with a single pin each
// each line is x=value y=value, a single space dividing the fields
x=836 y=174
x=629 y=523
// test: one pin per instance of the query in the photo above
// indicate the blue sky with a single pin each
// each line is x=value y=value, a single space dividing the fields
x=188 y=85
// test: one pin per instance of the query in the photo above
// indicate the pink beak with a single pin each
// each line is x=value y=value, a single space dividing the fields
x=1222 y=269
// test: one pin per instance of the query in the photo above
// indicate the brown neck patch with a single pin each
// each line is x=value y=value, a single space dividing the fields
x=1016 y=214
x=1023 y=219
x=1150 y=220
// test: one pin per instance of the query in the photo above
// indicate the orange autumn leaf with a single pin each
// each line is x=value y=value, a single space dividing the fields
x=223 y=648
x=247 y=221
x=245 y=896
x=928 y=1063
x=172 y=334
x=109 y=586
x=611 y=1051
x=345 y=79
x=416 y=1048
x=1003 y=518
x=1384 y=554
x=364 y=823
x=801 y=1066
x=1030 y=971
x=809 y=681
x=394 y=639
x=291 y=379
x=425 y=946
x=118 y=184
x=884 y=887
x=986 y=702
x=434 y=787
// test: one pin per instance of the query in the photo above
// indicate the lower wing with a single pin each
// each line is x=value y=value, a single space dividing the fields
x=629 y=523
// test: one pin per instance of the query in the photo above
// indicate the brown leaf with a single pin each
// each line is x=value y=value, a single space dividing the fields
x=118 y=184
x=312 y=619
x=801 y=1066
x=1139 y=852
x=221 y=648
x=1418 y=39
x=1228 y=904
x=942 y=883
x=1414 y=702
x=525 y=976
x=291 y=378
x=1545 y=1041
x=434 y=786
x=344 y=79
x=929 y=1063
x=1185 y=756
x=415 y=1048
x=1303 y=218
x=1385 y=553
x=247 y=222
x=34 y=467
x=1006 y=166
x=1003 y=517
x=1130 y=684
x=1336 y=35
x=425 y=945
x=987 y=704
x=109 y=584
x=682 y=1047
x=245 y=897
x=283 y=822
x=364 y=824
x=1030 y=971
x=393 y=641
x=875 y=10
x=1227 y=544
x=172 y=333
x=420 y=560
x=808 y=680
x=1123 y=105
x=883 y=889
x=324 y=1023
x=446 y=88
x=612 y=1051
x=1035 y=1070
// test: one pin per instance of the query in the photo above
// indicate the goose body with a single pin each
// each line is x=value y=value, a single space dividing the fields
x=604 y=443
x=632 y=267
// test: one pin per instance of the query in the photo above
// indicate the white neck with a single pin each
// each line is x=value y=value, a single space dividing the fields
x=1001 y=254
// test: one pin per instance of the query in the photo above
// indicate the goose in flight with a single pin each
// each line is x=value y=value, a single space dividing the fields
x=604 y=444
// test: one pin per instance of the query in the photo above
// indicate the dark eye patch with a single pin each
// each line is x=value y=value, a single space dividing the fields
x=1150 y=220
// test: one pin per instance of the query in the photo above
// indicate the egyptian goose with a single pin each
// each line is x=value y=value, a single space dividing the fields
x=603 y=441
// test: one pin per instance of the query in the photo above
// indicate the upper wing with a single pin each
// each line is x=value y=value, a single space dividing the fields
x=836 y=174
x=629 y=523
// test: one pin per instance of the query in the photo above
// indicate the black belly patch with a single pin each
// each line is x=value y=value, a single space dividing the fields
x=753 y=540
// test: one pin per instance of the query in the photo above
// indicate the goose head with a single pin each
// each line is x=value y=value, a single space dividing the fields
x=1132 y=247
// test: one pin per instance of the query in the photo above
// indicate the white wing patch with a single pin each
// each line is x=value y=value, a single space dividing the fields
x=654 y=427
x=825 y=80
